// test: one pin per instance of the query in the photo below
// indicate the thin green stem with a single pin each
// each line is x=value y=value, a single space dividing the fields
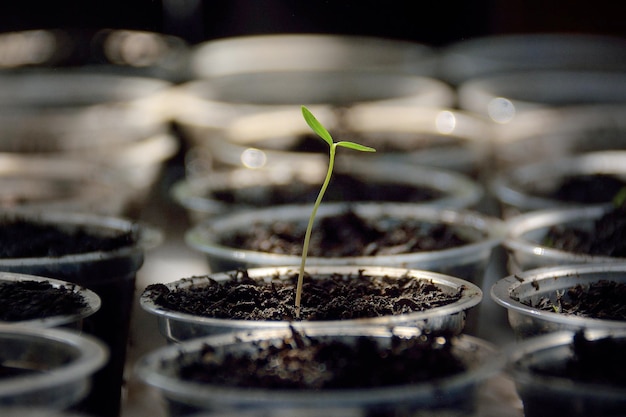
x=309 y=229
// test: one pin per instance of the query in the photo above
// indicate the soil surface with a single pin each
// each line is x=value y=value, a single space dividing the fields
x=329 y=297
x=599 y=361
x=21 y=238
x=27 y=300
x=342 y=187
x=599 y=300
x=346 y=235
x=587 y=189
x=301 y=362
x=607 y=237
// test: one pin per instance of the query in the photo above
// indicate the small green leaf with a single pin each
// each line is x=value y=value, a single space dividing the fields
x=316 y=125
x=356 y=146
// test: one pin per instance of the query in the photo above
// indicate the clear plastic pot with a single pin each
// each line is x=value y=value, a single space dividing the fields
x=59 y=183
x=121 y=51
x=526 y=232
x=525 y=188
x=48 y=368
x=177 y=327
x=70 y=109
x=204 y=108
x=502 y=97
x=431 y=136
x=305 y=52
x=467 y=261
x=90 y=298
x=453 y=396
x=550 y=133
x=110 y=274
x=113 y=121
x=515 y=291
x=482 y=56
x=200 y=195
x=543 y=395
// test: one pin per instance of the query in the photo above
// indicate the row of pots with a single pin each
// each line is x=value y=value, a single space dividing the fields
x=169 y=57
x=408 y=83
x=99 y=106
x=469 y=220
x=526 y=322
x=76 y=360
x=439 y=210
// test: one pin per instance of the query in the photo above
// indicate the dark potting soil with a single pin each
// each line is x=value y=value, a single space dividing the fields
x=599 y=361
x=21 y=238
x=587 y=188
x=346 y=235
x=607 y=237
x=300 y=362
x=330 y=297
x=599 y=300
x=28 y=300
x=342 y=187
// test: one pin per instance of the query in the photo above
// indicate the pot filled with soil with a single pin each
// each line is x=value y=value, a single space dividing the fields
x=577 y=374
x=115 y=51
x=482 y=56
x=548 y=134
x=49 y=368
x=220 y=192
x=564 y=236
x=504 y=96
x=407 y=235
x=60 y=183
x=591 y=178
x=100 y=253
x=73 y=108
x=332 y=297
x=431 y=136
x=33 y=301
x=113 y=121
x=204 y=108
x=576 y=297
x=376 y=370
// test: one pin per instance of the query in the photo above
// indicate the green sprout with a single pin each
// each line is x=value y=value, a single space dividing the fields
x=321 y=131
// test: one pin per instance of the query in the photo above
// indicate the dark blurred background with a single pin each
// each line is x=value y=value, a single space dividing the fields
x=433 y=22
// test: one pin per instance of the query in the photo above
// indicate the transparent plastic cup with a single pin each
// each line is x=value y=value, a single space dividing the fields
x=91 y=299
x=304 y=52
x=526 y=232
x=204 y=108
x=487 y=55
x=454 y=395
x=528 y=187
x=502 y=97
x=434 y=135
x=516 y=291
x=209 y=194
x=545 y=395
x=467 y=261
x=49 y=368
x=177 y=326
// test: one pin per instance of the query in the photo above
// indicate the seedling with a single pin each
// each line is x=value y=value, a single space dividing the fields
x=321 y=131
